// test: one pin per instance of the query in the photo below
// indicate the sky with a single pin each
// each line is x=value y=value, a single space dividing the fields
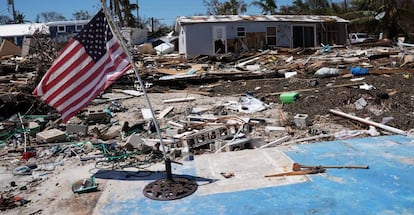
x=164 y=10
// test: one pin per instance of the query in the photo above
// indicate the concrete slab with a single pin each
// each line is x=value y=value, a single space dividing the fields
x=385 y=188
x=249 y=168
x=50 y=136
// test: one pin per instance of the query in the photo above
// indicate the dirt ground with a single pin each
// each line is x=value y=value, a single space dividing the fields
x=391 y=96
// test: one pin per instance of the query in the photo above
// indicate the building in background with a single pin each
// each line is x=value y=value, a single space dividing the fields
x=211 y=35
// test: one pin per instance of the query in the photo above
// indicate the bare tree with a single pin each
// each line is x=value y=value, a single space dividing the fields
x=5 y=19
x=49 y=17
x=81 y=15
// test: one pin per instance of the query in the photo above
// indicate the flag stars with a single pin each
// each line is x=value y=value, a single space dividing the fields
x=94 y=39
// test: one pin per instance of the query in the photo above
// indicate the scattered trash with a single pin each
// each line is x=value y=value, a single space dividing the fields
x=386 y=120
x=366 y=86
x=326 y=72
x=313 y=83
x=359 y=71
x=289 y=97
x=227 y=174
x=85 y=185
x=290 y=74
x=326 y=48
x=22 y=170
x=249 y=104
x=39 y=145
x=360 y=104
x=28 y=154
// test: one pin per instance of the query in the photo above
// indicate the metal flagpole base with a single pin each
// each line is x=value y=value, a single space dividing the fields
x=170 y=188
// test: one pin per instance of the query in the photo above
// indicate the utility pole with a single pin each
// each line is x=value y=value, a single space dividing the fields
x=152 y=26
x=345 y=6
x=11 y=3
x=139 y=23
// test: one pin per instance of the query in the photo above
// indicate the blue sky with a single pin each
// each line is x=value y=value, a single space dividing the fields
x=165 y=10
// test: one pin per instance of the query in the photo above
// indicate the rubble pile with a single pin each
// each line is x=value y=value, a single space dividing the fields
x=205 y=105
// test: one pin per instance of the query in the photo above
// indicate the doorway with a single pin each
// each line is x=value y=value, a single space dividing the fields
x=219 y=39
x=303 y=36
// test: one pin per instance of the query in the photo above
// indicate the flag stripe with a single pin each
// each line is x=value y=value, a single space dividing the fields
x=88 y=91
x=43 y=85
x=65 y=59
x=67 y=79
x=85 y=82
x=82 y=101
x=82 y=87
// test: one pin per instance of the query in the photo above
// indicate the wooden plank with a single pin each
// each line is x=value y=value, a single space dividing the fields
x=187 y=99
x=165 y=112
x=311 y=89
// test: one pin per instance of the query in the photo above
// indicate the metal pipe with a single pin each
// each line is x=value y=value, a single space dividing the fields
x=379 y=125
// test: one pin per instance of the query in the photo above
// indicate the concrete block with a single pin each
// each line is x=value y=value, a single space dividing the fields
x=51 y=136
x=301 y=120
x=237 y=144
x=98 y=117
x=134 y=141
x=76 y=129
x=218 y=145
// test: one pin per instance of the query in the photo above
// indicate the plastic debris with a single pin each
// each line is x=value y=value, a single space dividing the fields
x=22 y=170
x=326 y=72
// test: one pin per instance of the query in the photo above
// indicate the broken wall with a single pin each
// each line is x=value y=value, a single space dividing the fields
x=331 y=33
x=134 y=36
x=8 y=48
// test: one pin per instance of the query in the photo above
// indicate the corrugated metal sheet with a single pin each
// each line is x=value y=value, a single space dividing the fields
x=259 y=18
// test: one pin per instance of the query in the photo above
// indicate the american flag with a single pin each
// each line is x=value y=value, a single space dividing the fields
x=87 y=65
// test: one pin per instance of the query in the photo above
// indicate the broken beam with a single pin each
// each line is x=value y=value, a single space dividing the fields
x=378 y=125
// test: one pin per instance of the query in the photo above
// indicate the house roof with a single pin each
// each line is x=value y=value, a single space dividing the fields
x=68 y=22
x=259 y=18
x=22 y=29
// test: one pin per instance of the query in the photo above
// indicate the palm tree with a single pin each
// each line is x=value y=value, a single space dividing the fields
x=127 y=9
x=230 y=7
x=390 y=17
x=318 y=7
x=267 y=6
x=115 y=8
x=19 y=17
x=123 y=10
x=234 y=7
x=297 y=7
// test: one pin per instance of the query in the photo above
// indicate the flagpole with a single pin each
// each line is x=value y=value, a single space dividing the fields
x=172 y=187
x=116 y=31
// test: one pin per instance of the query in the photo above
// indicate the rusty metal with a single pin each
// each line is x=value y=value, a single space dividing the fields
x=313 y=170
x=299 y=169
x=297 y=166
x=170 y=189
